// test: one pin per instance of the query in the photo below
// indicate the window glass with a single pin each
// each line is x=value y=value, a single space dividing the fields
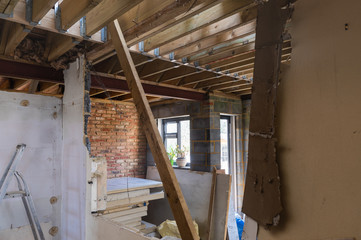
x=171 y=127
x=224 y=145
x=185 y=137
x=176 y=131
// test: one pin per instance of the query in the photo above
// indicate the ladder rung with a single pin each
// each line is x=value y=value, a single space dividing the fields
x=15 y=194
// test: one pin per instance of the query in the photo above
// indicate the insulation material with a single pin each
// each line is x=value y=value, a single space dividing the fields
x=169 y=228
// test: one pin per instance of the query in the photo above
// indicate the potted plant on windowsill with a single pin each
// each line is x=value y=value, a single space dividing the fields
x=181 y=156
x=171 y=155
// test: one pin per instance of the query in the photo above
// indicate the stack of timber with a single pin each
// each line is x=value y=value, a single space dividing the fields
x=128 y=199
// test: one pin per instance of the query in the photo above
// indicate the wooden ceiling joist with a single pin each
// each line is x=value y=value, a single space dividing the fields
x=16 y=34
x=222 y=10
x=224 y=54
x=47 y=22
x=72 y=11
x=61 y=45
x=41 y=8
x=240 y=34
x=7 y=6
x=105 y=12
x=171 y=186
x=170 y=15
x=220 y=27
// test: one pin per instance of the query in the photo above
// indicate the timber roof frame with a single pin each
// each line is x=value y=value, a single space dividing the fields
x=204 y=46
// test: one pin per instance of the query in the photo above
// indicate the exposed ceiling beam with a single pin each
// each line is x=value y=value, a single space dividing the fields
x=4 y=36
x=61 y=45
x=107 y=11
x=7 y=6
x=16 y=34
x=240 y=34
x=220 y=27
x=203 y=19
x=48 y=22
x=120 y=84
x=41 y=8
x=28 y=71
x=21 y=85
x=162 y=19
x=224 y=53
x=221 y=47
x=72 y=11
x=34 y=72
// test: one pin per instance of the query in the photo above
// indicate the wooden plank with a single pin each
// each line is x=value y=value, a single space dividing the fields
x=262 y=197
x=153 y=20
x=17 y=33
x=219 y=27
x=10 y=7
x=170 y=183
x=4 y=36
x=240 y=34
x=3 y=5
x=224 y=54
x=124 y=184
x=41 y=8
x=128 y=194
x=48 y=23
x=211 y=203
x=126 y=212
x=61 y=45
x=131 y=216
x=107 y=11
x=71 y=13
x=139 y=199
x=224 y=9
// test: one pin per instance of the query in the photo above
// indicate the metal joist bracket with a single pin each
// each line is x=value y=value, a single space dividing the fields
x=171 y=57
x=83 y=28
x=104 y=34
x=141 y=46
x=29 y=13
x=156 y=52
x=58 y=18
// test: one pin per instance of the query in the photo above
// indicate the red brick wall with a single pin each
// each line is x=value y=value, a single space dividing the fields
x=117 y=136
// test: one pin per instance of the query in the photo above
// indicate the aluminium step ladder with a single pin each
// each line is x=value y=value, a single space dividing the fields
x=23 y=192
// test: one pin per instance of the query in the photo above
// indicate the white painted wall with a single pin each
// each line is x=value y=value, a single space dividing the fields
x=39 y=126
x=319 y=125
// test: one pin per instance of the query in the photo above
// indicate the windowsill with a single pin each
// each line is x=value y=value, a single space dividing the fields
x=184 y=168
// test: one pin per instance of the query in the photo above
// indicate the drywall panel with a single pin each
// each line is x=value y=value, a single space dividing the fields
x=37 y=122
x=319 y=124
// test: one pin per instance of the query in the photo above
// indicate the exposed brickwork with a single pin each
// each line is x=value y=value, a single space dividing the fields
x=119 y=138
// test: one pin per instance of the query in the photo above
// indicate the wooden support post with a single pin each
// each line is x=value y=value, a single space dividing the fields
x=262 y=198
x=171 y=186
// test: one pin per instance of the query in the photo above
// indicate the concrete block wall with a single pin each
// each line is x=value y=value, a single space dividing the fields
x=115 y=133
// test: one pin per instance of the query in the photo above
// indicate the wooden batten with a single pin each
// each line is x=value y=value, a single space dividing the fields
x=171 y=186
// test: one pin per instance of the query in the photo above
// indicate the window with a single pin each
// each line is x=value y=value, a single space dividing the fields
x=176 y=132
x=225 y=143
